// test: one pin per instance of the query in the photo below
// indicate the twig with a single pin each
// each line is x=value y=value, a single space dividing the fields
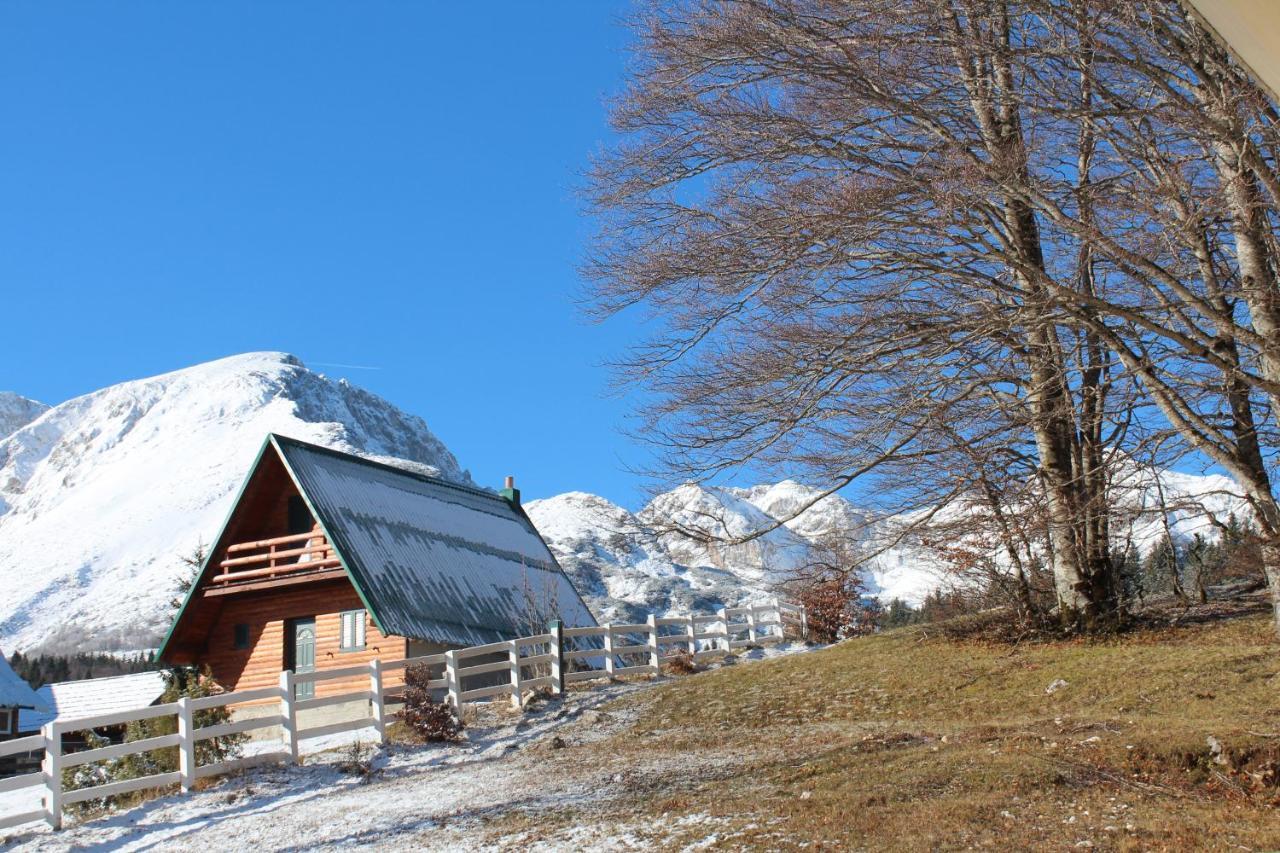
x=1231 y=784
x=1145 y=787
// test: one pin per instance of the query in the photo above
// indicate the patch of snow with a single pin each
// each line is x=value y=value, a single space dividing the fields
x=434 y=797
x=16 y=412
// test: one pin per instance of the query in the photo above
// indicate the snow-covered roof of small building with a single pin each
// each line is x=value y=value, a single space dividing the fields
x=70 y=700
x=433 y=559
x=14 y=692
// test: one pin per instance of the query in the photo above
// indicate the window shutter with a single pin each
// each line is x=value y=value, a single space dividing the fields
x=353 y=630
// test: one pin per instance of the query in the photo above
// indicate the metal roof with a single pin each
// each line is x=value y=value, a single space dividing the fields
x=14 y=692
x=433 y=560
x=93 y=697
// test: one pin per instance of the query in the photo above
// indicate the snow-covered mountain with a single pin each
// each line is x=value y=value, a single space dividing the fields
x=695 y=523
x=100 y=496
x=678 y=551
x=16 y=412
x=621 y=566
x=1184 y=502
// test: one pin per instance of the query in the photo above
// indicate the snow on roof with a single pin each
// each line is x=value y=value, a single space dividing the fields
x=14 y=692
x=71 y=700
x=435 y=560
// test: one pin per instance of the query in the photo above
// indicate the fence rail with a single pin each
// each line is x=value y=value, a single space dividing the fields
x=552 y=660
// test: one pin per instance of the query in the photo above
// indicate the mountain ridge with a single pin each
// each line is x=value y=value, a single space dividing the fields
x=17 y=411
x=106 y=492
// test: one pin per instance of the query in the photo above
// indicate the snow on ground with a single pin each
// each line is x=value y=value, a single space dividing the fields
x=424 y=797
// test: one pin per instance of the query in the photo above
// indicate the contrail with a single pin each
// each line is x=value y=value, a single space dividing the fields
x=346 y=366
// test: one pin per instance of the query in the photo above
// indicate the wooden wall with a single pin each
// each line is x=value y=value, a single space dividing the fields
x=266 y=613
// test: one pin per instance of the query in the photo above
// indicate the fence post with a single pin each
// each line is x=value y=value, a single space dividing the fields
x=376 y=706
x=186 y=745
x=513 y=656
x=289 y=726
x=751 y=625
x=654 y=662
x=51 y=766
x=556 y=629
x=804 y=623
x=608 y=649
x=693 y=633
x=451 y=679
x=724 y=626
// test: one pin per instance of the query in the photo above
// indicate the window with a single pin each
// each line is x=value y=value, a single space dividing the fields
x=352 y=630
x=242 y=636
x=6 y=720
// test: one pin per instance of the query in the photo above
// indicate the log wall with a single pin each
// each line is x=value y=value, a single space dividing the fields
x=267 y=613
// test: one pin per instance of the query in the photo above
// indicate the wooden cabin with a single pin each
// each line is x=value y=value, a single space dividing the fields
x=327 y=560
x=16 y=697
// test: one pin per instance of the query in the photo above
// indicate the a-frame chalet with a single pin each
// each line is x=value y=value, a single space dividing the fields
x=328 y=560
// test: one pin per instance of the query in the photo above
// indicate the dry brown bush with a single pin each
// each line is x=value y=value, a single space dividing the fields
x=423 y=715
x=680 y=662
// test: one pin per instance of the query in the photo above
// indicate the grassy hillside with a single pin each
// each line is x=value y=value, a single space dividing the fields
x=908 y=741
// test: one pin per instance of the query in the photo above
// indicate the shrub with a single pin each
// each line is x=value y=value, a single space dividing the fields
x=191 y=683
x=358 y=762
x=424 y=716
x=833 y=606
x=88 y=776
x=680 y=662
x=533 y=701
x=180 y=682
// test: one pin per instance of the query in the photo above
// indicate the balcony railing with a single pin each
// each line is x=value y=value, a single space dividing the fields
x=283 y=555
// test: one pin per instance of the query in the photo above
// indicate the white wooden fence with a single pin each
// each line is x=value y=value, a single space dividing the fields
x=552 y=660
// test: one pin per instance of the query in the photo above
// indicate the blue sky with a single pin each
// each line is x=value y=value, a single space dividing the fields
x=381 y=184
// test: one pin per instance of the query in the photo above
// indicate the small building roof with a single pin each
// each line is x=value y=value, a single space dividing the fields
x=14 y=692
x=91 y=697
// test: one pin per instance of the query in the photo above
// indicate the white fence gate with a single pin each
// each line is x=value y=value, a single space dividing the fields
x=553 y=660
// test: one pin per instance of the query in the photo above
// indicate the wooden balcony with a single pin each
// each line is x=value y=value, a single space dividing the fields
x=272 y=562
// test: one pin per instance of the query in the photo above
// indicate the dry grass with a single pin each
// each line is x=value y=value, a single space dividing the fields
x=907 y=741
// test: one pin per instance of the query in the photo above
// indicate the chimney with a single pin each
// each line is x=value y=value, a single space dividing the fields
x=510 y=492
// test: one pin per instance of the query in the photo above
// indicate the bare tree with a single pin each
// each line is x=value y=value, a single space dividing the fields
x=825 y=203
x=903 y=241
